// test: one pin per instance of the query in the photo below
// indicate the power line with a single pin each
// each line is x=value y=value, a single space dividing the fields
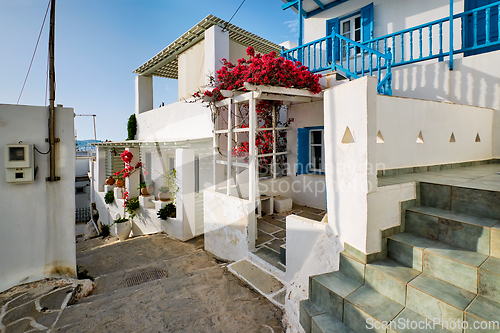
x=233 y=15
x=34 y=52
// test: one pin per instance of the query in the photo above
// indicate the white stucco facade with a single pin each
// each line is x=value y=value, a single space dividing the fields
x=37 y=225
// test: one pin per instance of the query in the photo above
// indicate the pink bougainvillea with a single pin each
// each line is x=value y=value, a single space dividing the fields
x=264 y=69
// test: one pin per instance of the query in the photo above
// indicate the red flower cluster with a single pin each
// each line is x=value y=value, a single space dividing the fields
x=127 y=157
x=264 y=69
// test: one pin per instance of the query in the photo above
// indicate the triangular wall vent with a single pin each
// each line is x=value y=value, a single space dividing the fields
x=380 y=138
x=347 y=138
x=478 y=139
x=420 y=138
x=452 y=137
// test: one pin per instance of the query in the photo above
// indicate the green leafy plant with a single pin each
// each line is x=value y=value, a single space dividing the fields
x=105 y=230
x=109 y=197
x=120 y=220
x=143 y=185
x=132 y=127
x=131 y=206
x=170 y=183
x=167 y=211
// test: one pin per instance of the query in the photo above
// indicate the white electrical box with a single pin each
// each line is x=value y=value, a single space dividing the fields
x=19 y=163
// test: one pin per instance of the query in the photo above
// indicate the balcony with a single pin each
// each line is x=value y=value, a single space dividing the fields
x=478 y=31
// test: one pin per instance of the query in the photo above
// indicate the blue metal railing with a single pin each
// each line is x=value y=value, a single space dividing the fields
x=354 y=59
x=415 y=44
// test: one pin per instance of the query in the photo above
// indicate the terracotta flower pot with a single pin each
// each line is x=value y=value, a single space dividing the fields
x=110 y=181
x=164 y=196
x=144 y=192
x=120 y=183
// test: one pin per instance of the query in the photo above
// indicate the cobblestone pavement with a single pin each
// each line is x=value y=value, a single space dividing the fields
x=145 y=284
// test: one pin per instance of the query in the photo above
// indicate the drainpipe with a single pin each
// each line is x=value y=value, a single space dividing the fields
x=52 y=95
x=451 y=35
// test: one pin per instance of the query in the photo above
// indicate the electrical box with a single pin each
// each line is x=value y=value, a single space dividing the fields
x=19 y=163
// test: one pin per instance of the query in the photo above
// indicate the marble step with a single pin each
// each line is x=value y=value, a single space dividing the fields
x=352 y=267
x=390 y=278
x=489 y=279
x=459 y=199
x=409 y=321
x=366 y=309
x=329 y=290
x=308 y=310
x=438 y=300
x=448 y=263
x=483 y=313
x=461 y=230
x=325 y=323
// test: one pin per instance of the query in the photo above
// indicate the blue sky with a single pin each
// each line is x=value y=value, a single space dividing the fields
x=100 y=42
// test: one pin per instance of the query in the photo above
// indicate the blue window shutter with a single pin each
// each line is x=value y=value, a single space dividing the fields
x=302 y=150
x=330 y=24
x=481 y=26
x=367 y=22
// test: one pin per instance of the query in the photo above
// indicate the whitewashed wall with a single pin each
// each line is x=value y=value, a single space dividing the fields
x=191 y=70
x=37 y=224
x=358 y=209
x=309 y=190
x=227 y=219
x=175 y=122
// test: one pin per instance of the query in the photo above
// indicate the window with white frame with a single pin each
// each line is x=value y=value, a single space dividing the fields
x=351 y=28
x=310 y=150
x=316 y=151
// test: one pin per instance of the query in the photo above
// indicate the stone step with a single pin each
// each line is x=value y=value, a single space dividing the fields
x=489 y=279
x=436 y=299
x=325 y=323
x=409 y=321
x=459 y=199
x=329 y=290
x=448 y=263
x=352 y=267
x=366 y=307
x=485 y=314
x=389 y=278
x=308 y=310
x=261 y=281
x=461 y=230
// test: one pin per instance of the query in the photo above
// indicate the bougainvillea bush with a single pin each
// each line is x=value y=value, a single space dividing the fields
x=260 y=69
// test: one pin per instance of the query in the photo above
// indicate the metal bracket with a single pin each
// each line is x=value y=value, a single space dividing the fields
x=55 y=139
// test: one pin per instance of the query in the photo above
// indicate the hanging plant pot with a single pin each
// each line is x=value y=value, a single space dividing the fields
x=120 y=183
x=110 y=181
x=123 y=229
x=164 y=196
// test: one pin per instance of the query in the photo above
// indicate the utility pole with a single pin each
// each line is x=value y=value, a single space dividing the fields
x=52 y=94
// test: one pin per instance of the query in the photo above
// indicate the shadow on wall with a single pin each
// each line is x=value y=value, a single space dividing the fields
x=463 y=85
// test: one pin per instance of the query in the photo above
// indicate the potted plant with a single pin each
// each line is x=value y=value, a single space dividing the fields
x=168 y=211
x=146 y=188
x=109 y=197
x=169 y=188
x=110 y=181
x=120 y=182
x=123 y=228
x=164 y=193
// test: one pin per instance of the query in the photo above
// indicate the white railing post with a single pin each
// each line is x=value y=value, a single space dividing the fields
x=229 y=145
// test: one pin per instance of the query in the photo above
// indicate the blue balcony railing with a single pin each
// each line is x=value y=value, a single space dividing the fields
x=479 y=32
x=352 y=59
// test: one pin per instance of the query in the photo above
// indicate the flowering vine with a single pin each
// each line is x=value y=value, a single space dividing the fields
x=259 y=69
x=130 y=204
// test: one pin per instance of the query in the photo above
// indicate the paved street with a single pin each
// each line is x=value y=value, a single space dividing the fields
x=145 y=284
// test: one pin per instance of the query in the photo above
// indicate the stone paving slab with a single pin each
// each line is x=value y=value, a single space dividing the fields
x=258 y=278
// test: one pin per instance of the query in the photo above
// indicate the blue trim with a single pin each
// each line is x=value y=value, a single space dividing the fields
x=326 y=7
x=479 y=29
x=303 y=150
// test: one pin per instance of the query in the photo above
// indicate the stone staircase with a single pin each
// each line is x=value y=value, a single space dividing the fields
x=444 y=266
